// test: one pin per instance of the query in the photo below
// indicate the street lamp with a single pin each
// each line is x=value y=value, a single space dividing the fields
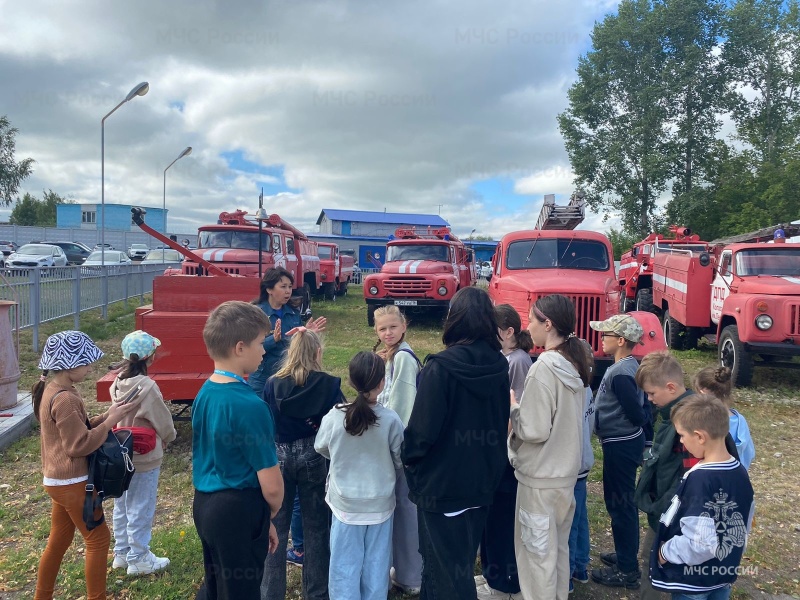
x=186 y=152
x=139 y=90
x=470 y=234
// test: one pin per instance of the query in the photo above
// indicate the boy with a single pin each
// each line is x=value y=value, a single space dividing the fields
x=237 y=480
x=701 y=536
x=619 y=420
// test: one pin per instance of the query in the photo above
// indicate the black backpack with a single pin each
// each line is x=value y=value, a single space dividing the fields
x=110 y=472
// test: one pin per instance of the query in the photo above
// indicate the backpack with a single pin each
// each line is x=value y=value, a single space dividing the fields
x=419 y=364
x=110 y=472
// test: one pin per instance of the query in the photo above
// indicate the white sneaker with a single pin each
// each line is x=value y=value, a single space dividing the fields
x=150 y=563
x=488 y=593
x=119 y=562
x=406 y=589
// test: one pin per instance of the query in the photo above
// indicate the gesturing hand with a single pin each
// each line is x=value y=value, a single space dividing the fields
x=276 y=333
x=317 y=325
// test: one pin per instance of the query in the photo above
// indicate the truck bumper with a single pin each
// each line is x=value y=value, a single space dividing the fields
x=409 y=302
x=773 y=349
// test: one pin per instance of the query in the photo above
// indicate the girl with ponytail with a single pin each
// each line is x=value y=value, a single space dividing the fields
x=362 y=439
x=545 y=448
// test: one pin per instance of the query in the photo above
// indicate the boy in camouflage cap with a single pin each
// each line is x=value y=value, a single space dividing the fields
x=622 y=422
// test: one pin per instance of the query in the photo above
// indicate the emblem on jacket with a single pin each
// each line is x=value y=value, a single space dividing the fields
x=729 y=524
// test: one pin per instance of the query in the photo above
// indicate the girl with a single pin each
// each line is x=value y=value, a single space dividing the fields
x=362 y=441
x=134 y=511
x=402 y=368
x=545 y=448
x=299 y=395
x=67 y=439
x=498 y=564
x=454 y=448
x=717 y=382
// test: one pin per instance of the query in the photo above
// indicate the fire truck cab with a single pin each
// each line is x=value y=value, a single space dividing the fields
x=422 y=272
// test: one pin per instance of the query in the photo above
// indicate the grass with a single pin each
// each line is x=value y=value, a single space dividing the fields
x=773 y=554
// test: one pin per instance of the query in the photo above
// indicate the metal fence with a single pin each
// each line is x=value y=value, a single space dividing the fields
x=50 y=293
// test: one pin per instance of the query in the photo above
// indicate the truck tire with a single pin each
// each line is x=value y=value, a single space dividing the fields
x=329 y=291
x=371 y=316
x=305 y=306
x=625 y=303
x=732 y=354
x=644 y=300
x=674 y=333
x=691 y=337
x=342 y=291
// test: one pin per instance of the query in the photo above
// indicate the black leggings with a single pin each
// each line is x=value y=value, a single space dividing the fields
x=233 y=526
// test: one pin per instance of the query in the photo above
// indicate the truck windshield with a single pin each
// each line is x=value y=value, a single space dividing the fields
x=325 y=252
x=245 y=240
x=772 y=260
x=564 y=253
x=418 y=252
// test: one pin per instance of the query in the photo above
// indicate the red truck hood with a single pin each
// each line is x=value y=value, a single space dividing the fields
x=769 y=284
x=416 y=267
x=232 y=255
x=560 y=281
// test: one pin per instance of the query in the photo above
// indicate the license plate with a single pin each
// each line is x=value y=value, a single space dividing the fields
x=405 y=302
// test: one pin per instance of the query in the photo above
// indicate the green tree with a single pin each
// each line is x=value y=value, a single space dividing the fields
x=42 y=213
x=615 y=128
x=25 y=211
x=621 y=242
x=11 y=173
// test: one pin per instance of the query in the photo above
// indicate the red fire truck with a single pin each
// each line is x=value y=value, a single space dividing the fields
x=554 y=258
x=742 y=294
x=336 y=270
x=224 y=267
x=422 y=272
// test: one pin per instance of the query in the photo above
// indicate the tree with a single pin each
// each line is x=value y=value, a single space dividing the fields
x=621 y=242
x=42 y=213
x=11 y=173
x=615 y=128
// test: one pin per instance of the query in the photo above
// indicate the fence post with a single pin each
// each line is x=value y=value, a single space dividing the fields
x=141 y=284
x=125 y=285
x=76 y=297
x=36 y=315
x=104 y=299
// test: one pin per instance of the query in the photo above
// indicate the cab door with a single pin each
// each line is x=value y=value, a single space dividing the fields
x=721 y=286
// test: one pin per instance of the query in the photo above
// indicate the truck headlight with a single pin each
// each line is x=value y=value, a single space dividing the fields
x=373 y=289
x=763 y=322
x=442 y=290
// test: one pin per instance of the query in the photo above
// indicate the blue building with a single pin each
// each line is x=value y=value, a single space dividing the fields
x=118 y=217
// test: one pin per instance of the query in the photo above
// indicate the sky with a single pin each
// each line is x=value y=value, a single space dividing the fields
x=417 y=106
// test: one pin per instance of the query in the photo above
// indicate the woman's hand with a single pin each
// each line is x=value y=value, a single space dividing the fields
x=317 y=325
x=119 y=411
x=513 y=399
x=273 y=539
x=383 y=353
x=276 y=333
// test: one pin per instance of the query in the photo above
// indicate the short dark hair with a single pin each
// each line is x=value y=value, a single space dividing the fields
x=230 y=323
x=471 y=319
x=272 y=278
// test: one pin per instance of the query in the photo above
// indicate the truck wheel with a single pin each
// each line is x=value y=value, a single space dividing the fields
x=644 y=300
x=329 y=291
x=691 y=337
x=732 y=354
x=342 y=291
x=674 y=333
x=305 y=305
x=625 y=303
x=371 y=316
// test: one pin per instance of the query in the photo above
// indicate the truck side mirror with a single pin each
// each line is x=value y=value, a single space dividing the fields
x=704 y=259
x=469 y=258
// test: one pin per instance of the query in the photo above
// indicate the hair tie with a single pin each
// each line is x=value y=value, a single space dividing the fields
x=540 y=314
x=571 y=335
x=42 y=377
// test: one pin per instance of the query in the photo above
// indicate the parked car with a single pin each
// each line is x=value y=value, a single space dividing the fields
x=7 y=247
x=75 y=251
x=485 y=270
x=138 y=251
x=113 y=258
x=37 y=255
x=162 y=256
x=100 y=246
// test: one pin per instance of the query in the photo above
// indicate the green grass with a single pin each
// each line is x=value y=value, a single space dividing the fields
x=770 y=407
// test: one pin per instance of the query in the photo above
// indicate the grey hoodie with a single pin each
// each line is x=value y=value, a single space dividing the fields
x=547 y=427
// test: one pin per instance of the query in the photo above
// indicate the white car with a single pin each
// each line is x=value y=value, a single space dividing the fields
x=100 y=246
x=162 y=256
x=485 y=270
x=138 y=251
x=113 y=258
x=37 y=255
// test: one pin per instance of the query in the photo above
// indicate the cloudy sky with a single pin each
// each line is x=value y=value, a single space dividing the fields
x=438 y=107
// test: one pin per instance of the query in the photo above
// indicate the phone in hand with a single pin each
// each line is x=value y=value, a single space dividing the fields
x=131 y=395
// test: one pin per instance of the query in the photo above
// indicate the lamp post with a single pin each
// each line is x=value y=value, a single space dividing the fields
x=186 y=152
x=470 y=234
x=139 y=90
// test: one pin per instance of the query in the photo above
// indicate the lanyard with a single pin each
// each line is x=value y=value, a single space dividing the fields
x=232 y=375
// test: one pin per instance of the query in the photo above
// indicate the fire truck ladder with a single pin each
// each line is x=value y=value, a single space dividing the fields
x=760 y=235
x=561 y=218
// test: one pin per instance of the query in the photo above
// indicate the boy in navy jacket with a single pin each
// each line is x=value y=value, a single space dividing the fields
x=702 y=534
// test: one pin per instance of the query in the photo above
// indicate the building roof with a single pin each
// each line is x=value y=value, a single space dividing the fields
x=367 y=216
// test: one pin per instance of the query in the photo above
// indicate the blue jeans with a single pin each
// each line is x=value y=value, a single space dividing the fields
x=720 y=594
x=360 y=560
x=304 y=472
x=133 y=516
x=297 y=524
x=579 y=532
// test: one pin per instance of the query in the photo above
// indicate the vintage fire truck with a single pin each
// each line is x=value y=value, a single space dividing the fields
x=224 y=267
x=740 y=293
x=422 y=272
x=554 y=258
x=636 y=266
x=336 y=270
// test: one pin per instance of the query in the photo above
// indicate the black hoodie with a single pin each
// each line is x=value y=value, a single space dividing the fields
x=454 y=451
x=298 y=410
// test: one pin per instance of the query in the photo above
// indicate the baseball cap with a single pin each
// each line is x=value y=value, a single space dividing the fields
x=622 y=325
x=140 y=343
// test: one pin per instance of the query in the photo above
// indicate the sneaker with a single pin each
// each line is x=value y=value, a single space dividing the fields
x=609 y=558
x=580 y=575
x=613 y=577
x=149 y=563
x=119 y=562
x=571 y=586
x=295 y=557
x=488 y=593
x=406 y=589
x=479 y=581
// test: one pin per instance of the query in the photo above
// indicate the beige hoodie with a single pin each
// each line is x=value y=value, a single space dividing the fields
x=547 y=427
x=152 y=413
